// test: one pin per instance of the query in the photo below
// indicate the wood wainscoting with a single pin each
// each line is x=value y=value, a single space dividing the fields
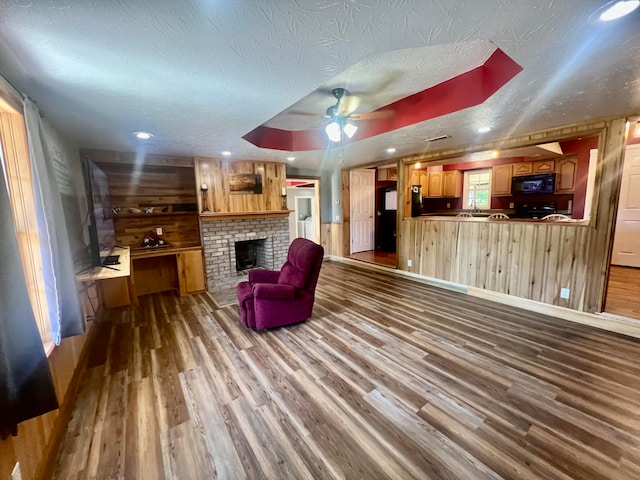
x=390 y=378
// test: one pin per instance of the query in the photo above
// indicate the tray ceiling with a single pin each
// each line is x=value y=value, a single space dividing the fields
x=201 y=74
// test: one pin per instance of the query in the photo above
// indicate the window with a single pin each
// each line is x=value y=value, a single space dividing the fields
x=477 y=189
x=14 y=156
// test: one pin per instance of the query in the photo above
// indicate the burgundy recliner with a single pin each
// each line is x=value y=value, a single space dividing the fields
x=274 y=298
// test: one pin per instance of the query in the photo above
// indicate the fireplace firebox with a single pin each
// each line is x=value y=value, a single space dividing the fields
x=249 y=254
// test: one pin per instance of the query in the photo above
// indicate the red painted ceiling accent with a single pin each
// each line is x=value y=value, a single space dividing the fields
x=463 y=91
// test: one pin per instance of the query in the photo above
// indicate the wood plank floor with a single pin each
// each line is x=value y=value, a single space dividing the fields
x=623 y=292
x=388 y=259
x=390 y=378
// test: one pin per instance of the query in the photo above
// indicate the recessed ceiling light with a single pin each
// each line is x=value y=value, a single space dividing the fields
x=484 y=129
x=391 y=150
x=226 y=153
x=143 y=135
x=291 y=159
x=619 y=9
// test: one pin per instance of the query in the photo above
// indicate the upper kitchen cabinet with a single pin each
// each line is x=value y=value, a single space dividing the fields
x=386 y=174
x=501 y=179
x=424 y=183
x=524 y=168
x=435 y=183
x=566 y=169
x=544 y=166
x=452 y=184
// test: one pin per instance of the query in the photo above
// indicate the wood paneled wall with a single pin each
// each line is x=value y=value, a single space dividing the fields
x=528 y=260
x=216 y=174
x=178 y=230
x=331 y=239
x=166 y=183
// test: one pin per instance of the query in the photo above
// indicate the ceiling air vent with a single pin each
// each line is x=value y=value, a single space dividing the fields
x=435 y=139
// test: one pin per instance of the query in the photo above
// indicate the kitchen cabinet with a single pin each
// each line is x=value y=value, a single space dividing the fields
x=525 y=168
x=566 y=169
x=501 y=179
x=390 y=173
x=452 y=184
x=424 y=182
x=544 y=166
x=435 y=183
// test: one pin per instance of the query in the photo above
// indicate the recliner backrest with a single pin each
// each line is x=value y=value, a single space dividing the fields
x=303 y=263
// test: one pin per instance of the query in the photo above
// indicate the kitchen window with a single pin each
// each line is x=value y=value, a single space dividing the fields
x=477 y=189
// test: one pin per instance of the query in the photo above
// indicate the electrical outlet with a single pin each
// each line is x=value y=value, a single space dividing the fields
x=159 y=231
x=337 y=218
x=564 y=293
x=512 y=205
x=448 y=205
x=409 y=263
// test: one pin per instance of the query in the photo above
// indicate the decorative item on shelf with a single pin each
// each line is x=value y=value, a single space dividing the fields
x=115 y=210
x=153 y=240
x=135 y=210
x=204 y=188
x=148 y=209
x=284 y=198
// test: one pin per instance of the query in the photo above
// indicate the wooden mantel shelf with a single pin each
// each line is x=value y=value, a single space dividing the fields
x=244 y=215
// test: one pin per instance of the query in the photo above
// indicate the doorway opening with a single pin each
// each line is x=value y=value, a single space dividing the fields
x=303 y=200
x=373 y=213
x=624 y=272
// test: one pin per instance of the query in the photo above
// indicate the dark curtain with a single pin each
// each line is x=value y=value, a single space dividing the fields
x=26 y=386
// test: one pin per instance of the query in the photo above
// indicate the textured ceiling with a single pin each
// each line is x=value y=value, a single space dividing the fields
x=201 y=74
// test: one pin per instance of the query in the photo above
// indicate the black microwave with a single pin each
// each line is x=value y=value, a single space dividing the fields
x=541 y=183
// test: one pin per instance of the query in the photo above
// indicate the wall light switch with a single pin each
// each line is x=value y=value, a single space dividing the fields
x=337 y=218
x=564 y=293
x=409 y=263
x=512 y=205
x=159 y=231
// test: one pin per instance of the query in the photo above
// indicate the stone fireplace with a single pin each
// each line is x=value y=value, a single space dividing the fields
x=263 y=241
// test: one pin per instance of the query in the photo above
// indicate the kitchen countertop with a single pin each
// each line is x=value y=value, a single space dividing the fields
x=483 y=218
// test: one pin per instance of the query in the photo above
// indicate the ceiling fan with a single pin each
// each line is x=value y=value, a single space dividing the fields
x=342 y=115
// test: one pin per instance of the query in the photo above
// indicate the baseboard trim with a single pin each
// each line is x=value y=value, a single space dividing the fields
x=615 y=324
x=602 y=321
x=436 y=282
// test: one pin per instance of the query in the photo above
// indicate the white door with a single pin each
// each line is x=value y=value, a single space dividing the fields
x=362 y=185
x=626 y=240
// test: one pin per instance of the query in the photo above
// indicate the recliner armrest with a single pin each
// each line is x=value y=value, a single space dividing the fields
x=273 y=291
x=263 y=276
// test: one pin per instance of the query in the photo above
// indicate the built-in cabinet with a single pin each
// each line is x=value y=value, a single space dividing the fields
x=566 y=169
x=438 y=184
x=154 y=199
x=452 y=184
x=501 y=179
x=390 y=173
x=435 y=183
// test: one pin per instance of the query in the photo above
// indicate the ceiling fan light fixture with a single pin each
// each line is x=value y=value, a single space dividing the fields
x=333 y=131
x=619 y=9
x=350 y=129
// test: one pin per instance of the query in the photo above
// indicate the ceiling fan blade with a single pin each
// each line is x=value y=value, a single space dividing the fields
x=377 y=115
x=348 y=104
x=307 y=114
